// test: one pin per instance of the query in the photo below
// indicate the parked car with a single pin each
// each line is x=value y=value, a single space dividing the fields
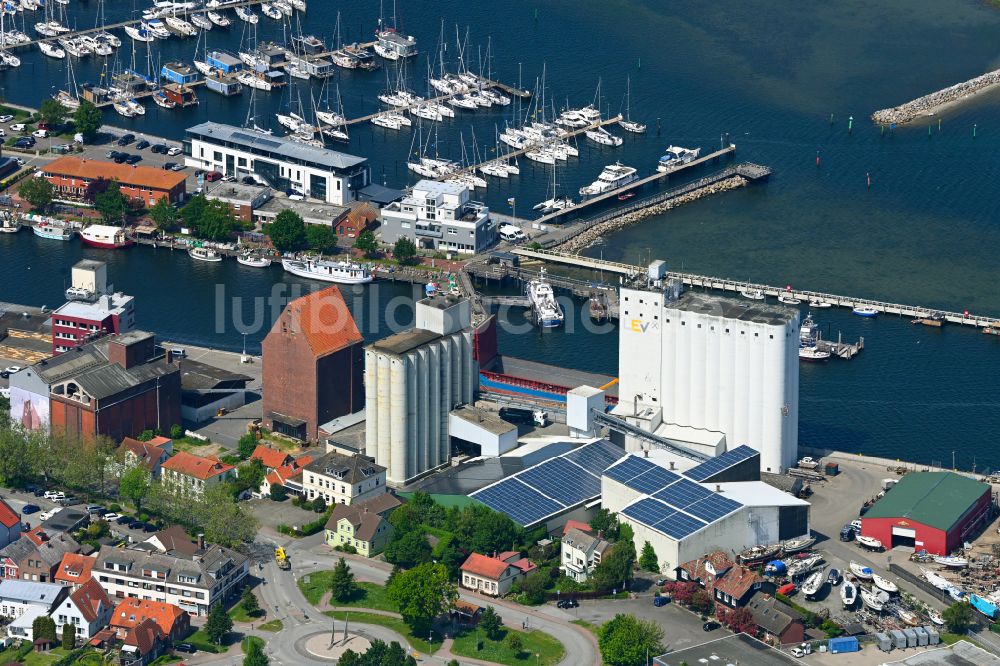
x=3 y=132
x=120 y=158
x=125 y=520
x=30 y=508
x=18 y=127
x=147 y=527
x=213 y=176
x=158 y=148
x=660 y=582
x=173 y=150
x=847 y=533
x=178 y=167
x=40 y=133
x=567 y=603
x=126 y=139
x=54 y=495
x=24 y=142
x=38 y=492
x=94 y=508
x=661 y=601
x=249 y=180
x=133 y=159
x=110 y=517
x=710 y=626
x=185 y=647
x=167 y=166
x=6 y=118
x=112 y=154
x=142 y=144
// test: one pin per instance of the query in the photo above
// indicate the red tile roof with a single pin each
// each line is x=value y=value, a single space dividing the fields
x=576 y=524
x=737 y=581
x=187 y=464
x=75 y=569
x=323 y=318
x=131 y=612
x=269 y=457
x=77 y=167
x=493 y=567
x=7 y=515
x=144 y=636
x=89 y=597
x=282 y=474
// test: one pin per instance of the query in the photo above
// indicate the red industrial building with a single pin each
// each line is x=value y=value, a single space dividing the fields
x=70 y=177
x=313 y=365
x=932 y=511
x=78 y=322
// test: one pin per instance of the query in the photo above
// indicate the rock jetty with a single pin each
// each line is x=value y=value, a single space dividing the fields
x=588 y=236
x=929 y=104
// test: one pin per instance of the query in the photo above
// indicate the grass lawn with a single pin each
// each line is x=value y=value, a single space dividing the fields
x=250 y=640
x=447 y=501
x=237 y=614
x=949 y=638
x=548 y=649
x=368 y=595
x=273 y=625
x=189 y=443
x=35 y=658
x=589 y=626
x=199 y=639
x=393 y=623
x=159 y=661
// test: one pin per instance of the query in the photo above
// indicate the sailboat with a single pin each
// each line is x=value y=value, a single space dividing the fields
x=138 y=33
x=336 y=121
x=52 y=50
x=70 y=97
x=627 y=123
x=556 y=202
x=6 y=57
x=247 y=15
x=219 y=19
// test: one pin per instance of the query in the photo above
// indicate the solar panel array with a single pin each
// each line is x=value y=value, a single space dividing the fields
x=710 y=468
x=549 y=487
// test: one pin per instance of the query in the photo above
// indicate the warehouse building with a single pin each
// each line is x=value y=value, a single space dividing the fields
x=932 y=511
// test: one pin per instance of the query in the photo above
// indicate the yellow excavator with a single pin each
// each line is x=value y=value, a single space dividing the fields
x=281 y=557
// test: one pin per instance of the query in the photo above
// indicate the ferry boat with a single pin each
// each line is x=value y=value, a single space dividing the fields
x=675 y=156
x=848 y=594
x=106 y=237
x=253 y=260
x=865 y=311
x=613 y=177
x=328 y=271
x=204 y=254
x=548 y=312
x=54 y=230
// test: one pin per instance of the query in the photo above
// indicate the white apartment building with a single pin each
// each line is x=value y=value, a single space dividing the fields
x=282 y=164
x=580 y=553
x=342 y=479
x=439 y=216
x=20 y=596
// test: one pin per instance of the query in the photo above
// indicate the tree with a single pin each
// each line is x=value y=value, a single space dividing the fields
x=111 y=203
x=366 y=243
x=288 y=231
x=223 y=520
x=43 y=627
x=134 y=486
x=217 y=222
x=404 y=250
x=255 y=654
x=248 y=600
x=319 y=505
x=68 y=636
x=625 y=640
x=249 y=476
x=958 y=617
x=408 y=549
x=421 y=594
x=533 y=588
x=278 y=493
x=484 y=530
x=342 y=582
x=176 y=431
x=246 y=446
x=701 y=602
x=615 y=569
x=739 y=620
x=164 y=214
x=37 y=191
x=218 y=624
x=514 y=643
x=647 y=560
x=87 y=120
x=95 y=187
x=52 y=112
x=320 y=237
x=491 y=623
x=607 y=522
x=190 y=213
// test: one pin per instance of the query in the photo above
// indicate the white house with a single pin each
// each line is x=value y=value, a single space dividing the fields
x=18 y=596
x=88 y=608
x=439 y=216
x=580 y=552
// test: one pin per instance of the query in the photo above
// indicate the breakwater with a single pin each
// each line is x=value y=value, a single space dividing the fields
x=930 y=104
x=600 y=229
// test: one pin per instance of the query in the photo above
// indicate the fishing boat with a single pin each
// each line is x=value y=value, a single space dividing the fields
x=861 y=571
x=865 y=311
x=848 y=594
x=218 y=19
x=253 y=260
x=9 y=224
x=935 y=617
x=161 y=100
x=105 y=237
x=613 y=177
x=869 y=542
x=138 y=33
x=202 y=253
x=884 y=584
x=604 y=137
x=834 y=577
x=53 y=229
x=52 y=50
x=328 y=271
x=874 y=599
x=952 y=561
x=813 y=584
x=201 y=21
x=676 y=156
x=758 y=554
x=247 y=15
x=548 y=311
x=795 y=545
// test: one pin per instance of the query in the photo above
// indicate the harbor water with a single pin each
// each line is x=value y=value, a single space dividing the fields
x=924 y=232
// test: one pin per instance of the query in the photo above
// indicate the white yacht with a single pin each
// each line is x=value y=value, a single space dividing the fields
x=541 y=155
x=675 y=156
x=205 y=254
x=426 y=112
x=270 y=11
x=52 y=50
x=328 y=271
x=390 y=120
x=123 y=108
x=252 y=80
x=138 y=33
x=156 y=28
x=330 y=118
x=219 y=19
x=201 y=21
x=577 y=118
x=181 y=26
x=604 y=137
x=548 y=312
x=246 y=14
x=613 y=177
x=203 y=67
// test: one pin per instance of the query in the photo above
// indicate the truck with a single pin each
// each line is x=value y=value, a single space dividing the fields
x=281 y=557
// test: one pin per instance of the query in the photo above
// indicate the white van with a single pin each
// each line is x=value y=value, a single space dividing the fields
x=510 y=233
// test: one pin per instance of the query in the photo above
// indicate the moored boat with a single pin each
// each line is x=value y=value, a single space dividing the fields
x=328 y=271
x=202 y=253
x=865 y=311
x=752 y=294
x=253 y=260
x=219 y=19
x=548 y=311
x=676 y=156
x=54 y=230
x=612 y=177
x=106 y=237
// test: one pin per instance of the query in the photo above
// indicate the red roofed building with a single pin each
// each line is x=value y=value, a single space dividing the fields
x=729 y=583
x=289 y=476
x=88 y=608
x=71 y=175
x=10 y=524
x=172 y=621
x=313 y=365
x=143 y=644
x=575 y=524
x=74 y=569
x=360 y=218
x=149 y=455
x=495 y=575
x=270 y=458
x=193 y=474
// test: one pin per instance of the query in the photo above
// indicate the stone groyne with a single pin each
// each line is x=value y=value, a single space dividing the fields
x=591 y=234
x=929 y=104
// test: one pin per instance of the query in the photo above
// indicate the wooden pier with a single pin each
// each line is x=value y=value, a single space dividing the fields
x=812 y=298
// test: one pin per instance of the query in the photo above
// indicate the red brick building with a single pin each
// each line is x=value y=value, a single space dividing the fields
x=313 y=365
x=71 y=175
x=360 y=218
x=729 y=583
x=76 y=322
x=117 y=386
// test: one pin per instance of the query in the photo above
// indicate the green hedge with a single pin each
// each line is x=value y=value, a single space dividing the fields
x=17 y=177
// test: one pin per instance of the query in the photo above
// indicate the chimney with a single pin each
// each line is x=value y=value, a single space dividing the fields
x=645 y=453
x=201 y=542
x=600 y=534
x=672 y=465
x=718 y=488
x=170 y=356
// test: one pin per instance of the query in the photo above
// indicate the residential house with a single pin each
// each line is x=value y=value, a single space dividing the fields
x=172 y=621
x=495 y=575
x=36 y=555
x=360 y=218
x=192 y=475
x=10 y=524
x=175 y=541
x=18 y=596
x=288 y=476
x=439 y=216
x=270 y=458
x=74 y=569
x=143 y=645
x=149 y=455
x=778 y=621
x=729 y=583
x=88 y=607
x=193 y=583
x=343 y=479
x=362 y=525
x=581 y=552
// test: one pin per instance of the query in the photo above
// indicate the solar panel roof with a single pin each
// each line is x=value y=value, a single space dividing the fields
x=682 y=493
x=519 y=501
x=713 y=508
x=563 y=481
x=653 y=481
x=596 y=457
x=728 y=459
x=628 y=469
